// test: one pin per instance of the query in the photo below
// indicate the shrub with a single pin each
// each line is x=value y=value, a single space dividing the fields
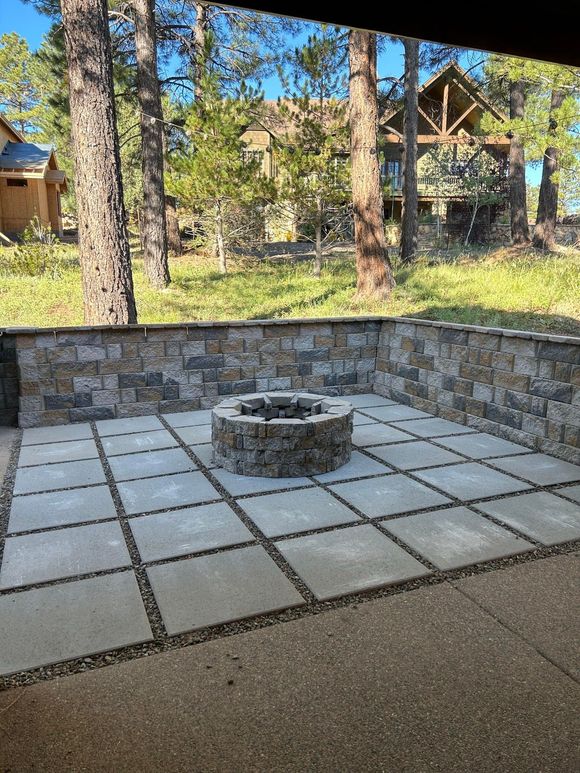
x=40 y=253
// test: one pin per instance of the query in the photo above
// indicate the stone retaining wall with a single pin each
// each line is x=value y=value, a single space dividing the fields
x=521 y=386
x=77 y=374
x=8 y=380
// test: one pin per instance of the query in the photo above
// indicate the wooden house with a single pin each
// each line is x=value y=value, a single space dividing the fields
x=30 y=183
x=452 y=150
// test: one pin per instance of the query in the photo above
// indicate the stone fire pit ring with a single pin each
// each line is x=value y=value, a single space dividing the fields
x=282 y=434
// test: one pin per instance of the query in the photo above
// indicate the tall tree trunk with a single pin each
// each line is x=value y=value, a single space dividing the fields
x=545 y=230
x=517 y=170
x=153 y=224
x=410 y=214
x=199 y=46
x=373 y=269
x=219 y=239
x=317 y=269
x=103 y=239
x=173 y=233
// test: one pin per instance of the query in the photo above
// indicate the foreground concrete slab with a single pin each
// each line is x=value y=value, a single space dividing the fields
x=150 y=464
x=388 y=495
x=123 y=426
x=350 y=560
x=72 y=620
x=539 y=468
x=60 y=508
x=195 y=435
x=414 y=456
x=375 y=434
x=69 y=451
x=482 y=445
x=360 y=466
x=538 y=601
x=188 y=418
x=190 y=530
x=220 y=588
x=204 y=452
x=58 y=476
x=414 y=683
x=358 y=419
x=544 y=517
x=239 y=485
x=294 y=511
x=571 y=492
x=115 y=445
x=454 y=538
x=150 y=494
x=433 y=427
x=471 y=481
x=56 y=434
x=61 y=553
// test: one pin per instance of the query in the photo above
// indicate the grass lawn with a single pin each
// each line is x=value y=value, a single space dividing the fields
x=503 y=288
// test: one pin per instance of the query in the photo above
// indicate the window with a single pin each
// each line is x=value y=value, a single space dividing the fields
x=252 y=155
x=393 y=168
x=11 y=183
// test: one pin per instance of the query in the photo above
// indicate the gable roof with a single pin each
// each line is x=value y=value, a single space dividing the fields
x=8 y=126
x=445 y=74
x=25 y=155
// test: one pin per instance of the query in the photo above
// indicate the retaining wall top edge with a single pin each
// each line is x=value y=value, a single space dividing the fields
x=573 y=340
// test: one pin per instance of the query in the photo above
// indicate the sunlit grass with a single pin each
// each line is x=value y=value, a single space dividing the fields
x=503 y=288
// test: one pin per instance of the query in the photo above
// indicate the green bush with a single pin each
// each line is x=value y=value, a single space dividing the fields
x=39 y=254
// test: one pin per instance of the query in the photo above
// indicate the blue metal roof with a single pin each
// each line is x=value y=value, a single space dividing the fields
x=24 y=155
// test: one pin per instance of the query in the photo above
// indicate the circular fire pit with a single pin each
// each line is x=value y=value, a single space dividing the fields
x=282 y=434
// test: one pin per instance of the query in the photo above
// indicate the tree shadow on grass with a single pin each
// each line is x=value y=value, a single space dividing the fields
x=527 y=321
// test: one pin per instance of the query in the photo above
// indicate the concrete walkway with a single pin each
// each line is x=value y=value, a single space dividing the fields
x=472 y=676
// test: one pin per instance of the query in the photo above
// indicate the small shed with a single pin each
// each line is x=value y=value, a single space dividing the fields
x=30 y=183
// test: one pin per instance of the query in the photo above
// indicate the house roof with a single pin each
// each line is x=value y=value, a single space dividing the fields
x=25 y=155
x=469 y=84
x=7 y=125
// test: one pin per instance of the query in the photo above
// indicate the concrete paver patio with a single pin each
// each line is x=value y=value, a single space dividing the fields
x=123 y=531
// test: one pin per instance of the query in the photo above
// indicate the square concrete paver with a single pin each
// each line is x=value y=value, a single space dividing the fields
x=124 y=426
x=571 y=492
x=471 y=481
x=56 y=434
x=348 y=561
x=358 y=420
x=204 y=453
x=59 y=508
x=199 y=433
x=53 y=555
x=54 y=476
x=239 y=485
x=457 y=537
x=71 y=620
x=188 y=418
x=433 y=427
x=220 y=588
x=360 y=466
x=367 y=401
x=115 y=445
x=539 y=468
x=388 y=495
x=414 y=456
x=150 y=464
x=377 y=434
x=396 y=412
x=191 y=530
x=541 y=516
x=294 y=511
x=149 y=494
x=481 y=445
x=68 y=451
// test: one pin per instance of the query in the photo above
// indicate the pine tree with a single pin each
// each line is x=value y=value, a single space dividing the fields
x=20 y=86
x=410 y=203
x=103 y=241
x=214 y=174
x=374 y=273
x=314 y=178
